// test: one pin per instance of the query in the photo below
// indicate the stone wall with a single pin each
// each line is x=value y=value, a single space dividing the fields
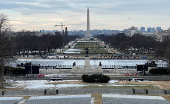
x=116 y=91
x=82 y=91
x=22 y=92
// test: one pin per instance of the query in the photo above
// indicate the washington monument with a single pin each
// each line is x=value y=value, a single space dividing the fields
x=88 y=25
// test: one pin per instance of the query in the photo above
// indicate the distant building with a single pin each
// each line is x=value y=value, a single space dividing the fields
x=66 y=32
x=125 y=30
x=133 y=30
x=142 y=29
x=148 y=33
x=148 y=29
x=159 y=29
x=152 y=29
x=161 y=35
x=42 y=31
x=115 y=31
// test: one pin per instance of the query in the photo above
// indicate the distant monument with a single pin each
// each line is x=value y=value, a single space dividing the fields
x=87 y=69
x=88 y=35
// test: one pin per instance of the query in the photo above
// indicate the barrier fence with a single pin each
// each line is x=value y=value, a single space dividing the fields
x=103 y=67
x=82 y=91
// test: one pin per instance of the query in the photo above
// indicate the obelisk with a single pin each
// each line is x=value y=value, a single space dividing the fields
x=88 y=25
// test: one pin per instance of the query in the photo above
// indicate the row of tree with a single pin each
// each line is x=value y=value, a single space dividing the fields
x=139 y=43
x=28 y=41
x=122 y=41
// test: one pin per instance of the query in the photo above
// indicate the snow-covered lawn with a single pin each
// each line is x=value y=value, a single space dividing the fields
x=113 y=81
x=46 y=84
x=42 y=84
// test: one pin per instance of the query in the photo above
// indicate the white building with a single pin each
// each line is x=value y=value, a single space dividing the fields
x=160 y=35
x=133 y=30
x=148 y=33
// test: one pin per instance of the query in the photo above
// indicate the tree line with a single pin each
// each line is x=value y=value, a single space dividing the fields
x=139 y=43
x=27 y=41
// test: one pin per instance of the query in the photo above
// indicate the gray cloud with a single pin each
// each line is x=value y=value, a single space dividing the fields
x=71 y=10
x=100 y=6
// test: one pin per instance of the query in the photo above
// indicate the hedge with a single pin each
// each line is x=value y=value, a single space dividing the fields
x=160 y=71
x=97 y=78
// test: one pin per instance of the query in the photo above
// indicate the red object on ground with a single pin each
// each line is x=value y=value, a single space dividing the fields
x=41 y=75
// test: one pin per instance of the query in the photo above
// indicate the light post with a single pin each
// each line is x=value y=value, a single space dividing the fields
x=31 y=68
x=63 y=46
x=46 y=70
x=94 y=49
x=77 y=54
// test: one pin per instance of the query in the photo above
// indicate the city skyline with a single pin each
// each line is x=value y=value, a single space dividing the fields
x=111 y=14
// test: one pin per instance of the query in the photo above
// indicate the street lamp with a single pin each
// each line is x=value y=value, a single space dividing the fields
x=31 y=68
x=94 y=49
x=77 y=54
x=63 y=46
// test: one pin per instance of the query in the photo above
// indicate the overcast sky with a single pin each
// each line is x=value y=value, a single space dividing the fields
x=104 y=14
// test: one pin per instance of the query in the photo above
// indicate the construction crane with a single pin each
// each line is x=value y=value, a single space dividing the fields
x=61 y=26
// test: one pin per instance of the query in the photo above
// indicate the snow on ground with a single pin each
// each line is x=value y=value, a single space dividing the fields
x=46 y=84
x=126 y=85
x=92 y=100
x=69 y=85
x=43 y=84
x=133 y=96
x=113 y=81
x=32 y=84
x=11 y=98
x=65 y=96
x=73 y=51
x=145 y=81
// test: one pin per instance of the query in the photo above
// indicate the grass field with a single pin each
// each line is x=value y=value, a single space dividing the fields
x=88 y=45
x=92 y=47
x=97 y=51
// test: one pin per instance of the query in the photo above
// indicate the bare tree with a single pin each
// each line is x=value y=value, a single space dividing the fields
x=6 y=45
x=26 y=41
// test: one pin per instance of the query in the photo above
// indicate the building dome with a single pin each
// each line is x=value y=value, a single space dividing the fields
x=132 y=28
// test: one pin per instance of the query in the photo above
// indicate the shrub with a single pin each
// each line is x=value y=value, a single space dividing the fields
x=102 y=79
x=89 y=79
x=160 y=71
x=12 y=70
x=84 y=77
x=18 y=71
x=98 y=78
